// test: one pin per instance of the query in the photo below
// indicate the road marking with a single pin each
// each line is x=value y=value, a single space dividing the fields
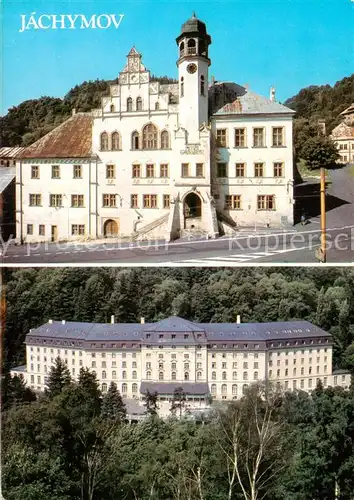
x=230 y=261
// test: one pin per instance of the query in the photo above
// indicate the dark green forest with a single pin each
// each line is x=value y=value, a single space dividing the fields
x=73 y=442
x=322 y=296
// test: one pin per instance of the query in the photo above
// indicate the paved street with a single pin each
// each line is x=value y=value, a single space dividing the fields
x=297 y=245
x=292 y=247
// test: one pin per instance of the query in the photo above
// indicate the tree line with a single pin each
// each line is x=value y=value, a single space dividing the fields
x=32 y=119
x=73 y=442
x=322 y=296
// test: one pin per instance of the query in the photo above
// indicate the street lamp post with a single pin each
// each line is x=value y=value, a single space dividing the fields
x=323 y=216
x=321 y=253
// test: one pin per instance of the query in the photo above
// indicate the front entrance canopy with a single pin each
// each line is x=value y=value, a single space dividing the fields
x=168 y=388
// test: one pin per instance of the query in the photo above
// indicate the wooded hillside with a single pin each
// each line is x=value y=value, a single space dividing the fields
x=322 y=296
x=30 y=120
x=323 y=102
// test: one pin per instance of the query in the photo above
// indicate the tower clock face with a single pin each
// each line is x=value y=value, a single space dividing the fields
x=191 y=68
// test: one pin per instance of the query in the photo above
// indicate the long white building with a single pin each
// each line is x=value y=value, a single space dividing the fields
x=210 y=359
x=161 y=160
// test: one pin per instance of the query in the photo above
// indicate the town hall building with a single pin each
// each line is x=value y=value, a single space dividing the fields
x=161 y=160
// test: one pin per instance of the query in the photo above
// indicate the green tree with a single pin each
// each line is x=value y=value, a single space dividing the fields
x=88 y=382
x=179 y=401
x=320 y=152
x=58 y=377
x=113 y=407
x=250 y=438
x=27 y=475
x=15 y=392
x=150 y=403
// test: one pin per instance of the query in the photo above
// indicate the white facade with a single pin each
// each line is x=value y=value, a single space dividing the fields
x=157 y=165
x=221 y=357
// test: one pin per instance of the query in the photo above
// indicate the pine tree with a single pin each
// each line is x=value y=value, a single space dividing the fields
x=59 y=377
x=15 y=392
x=113 y=407
x=150 y=403
x=88 y=382
x=178 y=401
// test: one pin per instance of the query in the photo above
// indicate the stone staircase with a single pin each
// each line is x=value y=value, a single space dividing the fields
x=150 y=227
x=225 y=219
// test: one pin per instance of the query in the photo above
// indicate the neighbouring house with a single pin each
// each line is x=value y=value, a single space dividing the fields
x=343 y=135
x=8 y=156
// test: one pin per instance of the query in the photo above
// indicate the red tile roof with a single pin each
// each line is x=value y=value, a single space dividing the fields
x=71 y=139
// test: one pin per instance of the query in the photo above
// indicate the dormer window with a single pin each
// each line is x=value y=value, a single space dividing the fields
x=112 y=108
x=157 y=106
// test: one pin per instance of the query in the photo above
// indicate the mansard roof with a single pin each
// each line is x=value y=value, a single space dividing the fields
x=211 y=332
x=175 y=324
x=71 y=139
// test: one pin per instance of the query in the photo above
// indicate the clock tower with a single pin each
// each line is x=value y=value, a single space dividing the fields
x=193 y=64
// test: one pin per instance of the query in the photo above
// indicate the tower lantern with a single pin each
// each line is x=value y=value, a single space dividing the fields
x=194 y=40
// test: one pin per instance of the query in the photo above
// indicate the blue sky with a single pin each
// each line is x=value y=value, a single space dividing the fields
x=286 y=43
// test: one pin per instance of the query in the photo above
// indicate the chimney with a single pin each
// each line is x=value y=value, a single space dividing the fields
x=212 y=79
x=142 y=321
x=112 y=319
x=50 y=321
x=63 y=321
x=238 y=319
x=73 y=112
x=272 y=94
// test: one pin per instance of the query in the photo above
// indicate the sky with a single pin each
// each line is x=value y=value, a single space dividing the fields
x=289 y=44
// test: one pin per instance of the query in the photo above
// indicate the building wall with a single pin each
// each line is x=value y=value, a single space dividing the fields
x=345 y=150
x=113 y=117
x=8 y=212
x=250 y=186
x=226 y=372
x=63 y=217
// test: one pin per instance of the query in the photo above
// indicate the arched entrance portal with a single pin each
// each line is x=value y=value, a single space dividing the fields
x=192 y=209
x=110 y=228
